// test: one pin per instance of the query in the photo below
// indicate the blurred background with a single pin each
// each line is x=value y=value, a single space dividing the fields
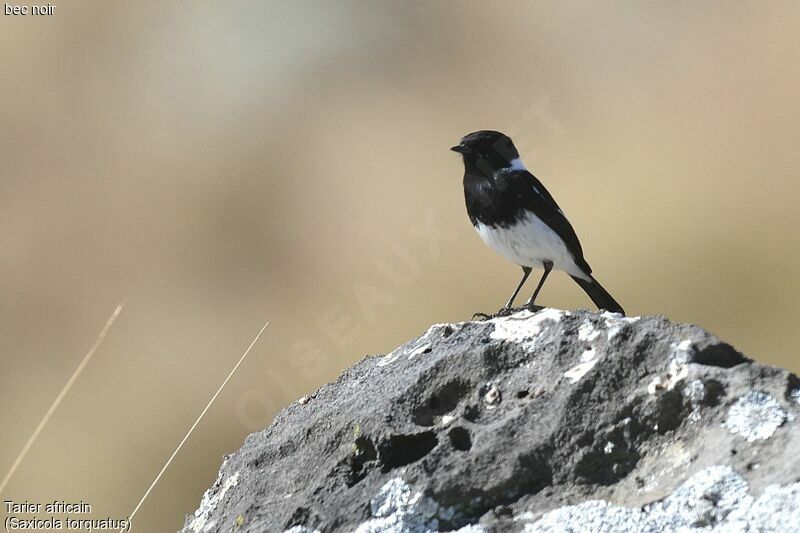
x=220 y=164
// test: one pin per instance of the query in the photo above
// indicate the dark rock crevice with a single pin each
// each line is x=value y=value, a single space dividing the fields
x=402 y=450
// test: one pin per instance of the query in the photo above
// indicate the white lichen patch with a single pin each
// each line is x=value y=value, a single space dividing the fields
x=695 y=392
x=398 y=509
x=615 y=323
x=421 y=349
x=776 y=509
x=587 y=332
x=390 y=357
x=755 y=416
x=712 y=492
x=588 y=355
x=394 y=496
x=423 y=343
x=588 y=359
x=575 y=373
x=716 y=499
x=678 y=368
x=683 y=351
x=201 y=521
x=523 y=327
x=685 y=345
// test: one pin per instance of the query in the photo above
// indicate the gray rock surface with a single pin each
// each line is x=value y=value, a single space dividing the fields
x=554 y=421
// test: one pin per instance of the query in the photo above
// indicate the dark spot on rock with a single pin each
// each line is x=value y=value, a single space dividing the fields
x=584 y=439
x=472 y=413
x=300 y=517
x=460 y=439
x=532 y=474
x=503 y=511
x=497 y=359
x=612 y=456
x=442 y=402
x=256 y=462
x=447 y=331
x=714 y=391
x=522 y=394
x=669 y=412
x=401 y=450
x=722 y=355
x=537 y=473
x=792 y=388
x=604 y=469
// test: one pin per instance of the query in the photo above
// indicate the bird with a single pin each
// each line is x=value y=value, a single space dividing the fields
x=517 y=217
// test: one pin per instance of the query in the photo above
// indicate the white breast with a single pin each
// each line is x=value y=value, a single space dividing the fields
x=528 y=243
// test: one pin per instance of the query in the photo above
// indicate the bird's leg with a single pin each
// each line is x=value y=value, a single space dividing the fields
x=507 y=309
x=548 y=266
x=526 y=272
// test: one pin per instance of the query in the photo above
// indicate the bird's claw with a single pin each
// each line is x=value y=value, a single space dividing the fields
x=507 y=311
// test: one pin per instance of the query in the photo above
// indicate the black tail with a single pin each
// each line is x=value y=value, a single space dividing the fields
x=599 y=295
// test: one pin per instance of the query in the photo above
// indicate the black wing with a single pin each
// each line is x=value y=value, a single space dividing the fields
x=528 y=191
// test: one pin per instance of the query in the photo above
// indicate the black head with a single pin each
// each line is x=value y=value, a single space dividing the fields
x=486 y=151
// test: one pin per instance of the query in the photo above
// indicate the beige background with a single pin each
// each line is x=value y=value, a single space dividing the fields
x=220 y=164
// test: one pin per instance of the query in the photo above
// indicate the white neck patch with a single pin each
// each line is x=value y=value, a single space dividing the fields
x=517 y=164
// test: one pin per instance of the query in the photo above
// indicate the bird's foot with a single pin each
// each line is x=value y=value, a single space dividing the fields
x=508 y=311
x=504 y=311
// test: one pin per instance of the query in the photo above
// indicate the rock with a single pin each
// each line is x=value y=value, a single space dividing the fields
x=554 y=421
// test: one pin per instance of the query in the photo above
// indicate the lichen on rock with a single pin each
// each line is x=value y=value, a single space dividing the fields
x=549 y=421
x=755 y=416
